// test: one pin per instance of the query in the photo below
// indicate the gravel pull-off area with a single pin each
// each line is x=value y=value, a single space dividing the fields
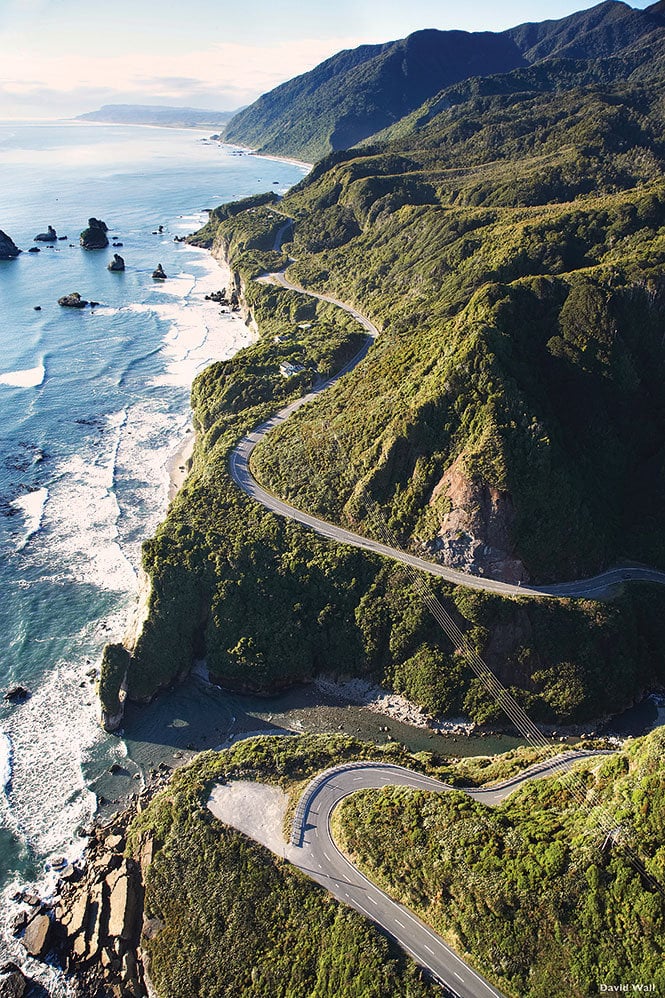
x=255 y=809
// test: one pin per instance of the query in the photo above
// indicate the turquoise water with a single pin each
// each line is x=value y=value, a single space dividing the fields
x=93 y=406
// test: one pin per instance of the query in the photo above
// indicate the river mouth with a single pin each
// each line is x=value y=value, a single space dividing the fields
x=197 y=716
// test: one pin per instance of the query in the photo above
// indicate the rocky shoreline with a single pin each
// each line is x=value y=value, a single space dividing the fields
x=91 y=928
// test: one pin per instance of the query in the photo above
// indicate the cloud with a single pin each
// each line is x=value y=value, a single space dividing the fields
x=224 y=75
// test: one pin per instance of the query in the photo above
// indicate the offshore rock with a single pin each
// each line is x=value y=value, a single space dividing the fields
x=158 y=274
x=50 y=236
x=8 y=248
x=117 y=263
x=17 y=694
x=73 y=300
x=94 y=237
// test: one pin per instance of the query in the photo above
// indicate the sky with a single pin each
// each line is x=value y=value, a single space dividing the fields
x=61 y=58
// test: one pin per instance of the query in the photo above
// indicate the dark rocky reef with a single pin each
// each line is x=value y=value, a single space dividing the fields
x=94 y=237
x=50 y=236
x=158 y=274
x=117 y=263
x=17 y=694
x=73 y=300
x=8 y=248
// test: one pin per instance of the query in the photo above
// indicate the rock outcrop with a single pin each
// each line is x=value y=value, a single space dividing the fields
x=72 y=300
x=98 y=917
x=117 y=263
x=50 y=236
x=37 y=935
x=17 y=694
x=474 y=535
x=8 y=248
x=158 y=274
x=13 y=982
x=94 y=237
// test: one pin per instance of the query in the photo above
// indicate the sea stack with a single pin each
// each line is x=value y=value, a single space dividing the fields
x=117 y=263
x=8 y=248
x=94 y=237
x=158 y=274
x=50 y=236
x=73 y=300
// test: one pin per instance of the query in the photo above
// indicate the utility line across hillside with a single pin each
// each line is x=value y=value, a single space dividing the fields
x=388 y=547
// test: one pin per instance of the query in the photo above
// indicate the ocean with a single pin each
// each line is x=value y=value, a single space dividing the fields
x=93 y=405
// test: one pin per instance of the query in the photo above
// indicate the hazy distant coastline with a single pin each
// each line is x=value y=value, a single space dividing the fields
x=150 y=114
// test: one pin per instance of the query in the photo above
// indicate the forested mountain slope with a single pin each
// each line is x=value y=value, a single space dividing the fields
x=357 y=93
x=508 y=239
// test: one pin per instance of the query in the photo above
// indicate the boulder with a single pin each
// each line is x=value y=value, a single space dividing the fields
x=13 y=982
x=50 y=236
x=34 y=249
x=94 y=237
x=158 y=274
x=117 y=263
x=8 y=248
x=37 y=936
x=17 y=694
x=73 y=300
x=94 y=918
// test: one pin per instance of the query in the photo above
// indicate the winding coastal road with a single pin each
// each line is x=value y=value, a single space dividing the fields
x=240 y=472
x=314 y=851
x=258 y=810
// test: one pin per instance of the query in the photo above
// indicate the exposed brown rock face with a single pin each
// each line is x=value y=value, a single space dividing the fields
x=37 y=936
x=475 y=533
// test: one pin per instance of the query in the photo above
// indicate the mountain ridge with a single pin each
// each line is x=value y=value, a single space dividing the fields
x=358 y=93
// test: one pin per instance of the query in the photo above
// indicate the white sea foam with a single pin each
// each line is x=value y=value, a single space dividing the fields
x=51 y=733
x=32 y=506
x=31 y=377
x=5 y=760
x=81 y=521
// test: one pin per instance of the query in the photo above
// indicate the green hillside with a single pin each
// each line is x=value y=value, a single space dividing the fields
x=358 y=93
x=229 y=919
x=532 y=890
x=509 y=241
x=511 y=249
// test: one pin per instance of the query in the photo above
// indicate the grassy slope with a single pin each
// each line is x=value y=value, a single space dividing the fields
x=269 y=603
x=524 y=888
x=236 y=920
x=512 y=248
x=522 y=312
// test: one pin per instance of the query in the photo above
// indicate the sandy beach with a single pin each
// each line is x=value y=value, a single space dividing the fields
x=178 y=465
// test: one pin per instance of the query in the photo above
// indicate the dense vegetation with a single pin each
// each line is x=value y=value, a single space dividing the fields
x=355 y=94
x=531 y=890
x=236 y=921
x=509 y=240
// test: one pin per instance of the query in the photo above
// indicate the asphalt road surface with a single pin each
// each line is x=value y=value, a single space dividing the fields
x=315 y=853
x=241 y=474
